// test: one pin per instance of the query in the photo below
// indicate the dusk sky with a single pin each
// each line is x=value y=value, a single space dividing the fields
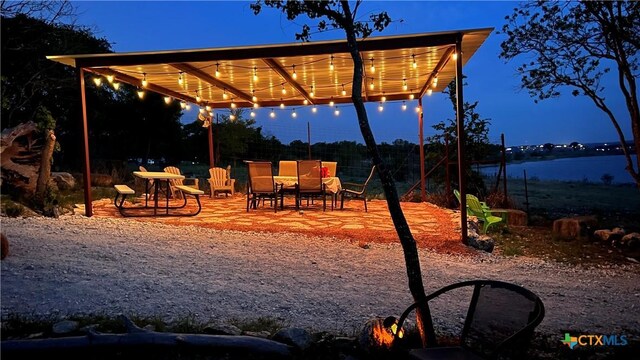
x=153 y=25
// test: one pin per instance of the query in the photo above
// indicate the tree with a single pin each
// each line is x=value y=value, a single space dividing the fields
x=339 y=15
x=574 y=44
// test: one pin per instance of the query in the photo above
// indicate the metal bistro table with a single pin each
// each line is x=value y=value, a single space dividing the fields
x=158 y=178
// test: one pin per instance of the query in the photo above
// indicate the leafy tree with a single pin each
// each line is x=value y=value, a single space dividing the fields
x=574 y=44
x=334 y=14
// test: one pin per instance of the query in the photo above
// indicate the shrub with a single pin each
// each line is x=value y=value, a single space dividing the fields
x=13 y=209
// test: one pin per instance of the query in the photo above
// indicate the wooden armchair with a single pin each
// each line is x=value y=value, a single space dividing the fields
x=220 y=181
x=175 y=193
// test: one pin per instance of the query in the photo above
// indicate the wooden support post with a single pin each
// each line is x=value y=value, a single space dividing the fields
x=447 y=174
x=86 y=167
x=423 y=191
x=504 y=168
x=461 y=141
x=309 y=138
x=212 y=159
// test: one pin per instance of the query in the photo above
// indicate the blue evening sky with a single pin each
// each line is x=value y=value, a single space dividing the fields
x=167 y=25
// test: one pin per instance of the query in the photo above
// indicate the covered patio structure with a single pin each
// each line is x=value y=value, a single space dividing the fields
x=398 y=68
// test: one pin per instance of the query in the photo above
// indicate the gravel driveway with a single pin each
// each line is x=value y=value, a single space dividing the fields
x=79 y=265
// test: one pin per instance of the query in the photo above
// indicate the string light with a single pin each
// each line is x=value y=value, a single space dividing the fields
x=211 y=113
x=384 y=98
x=232 y=117
x=331 y=67
x=180 y=78
x=344 y=92
x=305 y=101
x=272 y=114
x=371 y=86
x=411 y=96
x=295 y=76
x=404 y=84
x=331 y=103
x=217 y=70
x=225 y=96
x=198 y=98
x=202 y=111
x=337 y=111
x=372 y=68
x=434 y=83
x=417 y=109
x=311 y=94
x=294 y=114
x=144 y=80
x=415 y=64
x=110 y=78
x=380 y=107
x=255 y=105
x=254 y=98
x=284 y=91
x=255 y=74
x=314 y=109
x=140 y=93
x=454 y=56
x=167 y=100
x=404 y=105
x=252 y=114
x=183 y=104
x=429 y=92
x=281 y=104
x=233 y=104
x=116 y=86
x=188 y=107
x=97 y=81
x=207 y=107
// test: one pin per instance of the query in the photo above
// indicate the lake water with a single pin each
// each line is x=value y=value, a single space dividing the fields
x=590 y=168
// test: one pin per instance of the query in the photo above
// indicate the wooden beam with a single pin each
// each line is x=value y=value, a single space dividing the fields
x=289 y=79
x=300 y=103
x=137 y=82
x=191 y=70
x=441 y=64
x=86 y=168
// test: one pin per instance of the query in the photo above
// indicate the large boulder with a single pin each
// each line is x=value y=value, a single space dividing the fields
x=476 y=239
x=571 y=228
x=63 y=180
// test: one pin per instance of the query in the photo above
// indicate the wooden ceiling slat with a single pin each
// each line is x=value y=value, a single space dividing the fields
x=288 y=78
x=212 y=80
x=441 y=64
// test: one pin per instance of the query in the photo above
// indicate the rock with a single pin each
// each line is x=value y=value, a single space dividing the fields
x=481 y=242
x=4 y=250
x=578 y=227
x=65 y=327
x=63 y=180
x=216 y=328
x=631 y=241
x=297 y=337
x=261 y=334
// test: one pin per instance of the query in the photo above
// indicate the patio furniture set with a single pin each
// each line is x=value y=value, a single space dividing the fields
x=304 y=179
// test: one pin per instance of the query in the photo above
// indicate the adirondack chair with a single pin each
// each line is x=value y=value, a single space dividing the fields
x=220 y=181
x=474 y=208
x=457 y=194
x=175 y=193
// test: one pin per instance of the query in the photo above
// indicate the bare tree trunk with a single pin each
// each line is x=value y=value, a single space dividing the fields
x=44 y=174
x=409 y=247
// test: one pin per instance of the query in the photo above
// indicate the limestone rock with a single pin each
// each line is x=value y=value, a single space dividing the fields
x=297 y=337
x=63 y=180
x=631 y=240
x=65 y=327
x=570 y=228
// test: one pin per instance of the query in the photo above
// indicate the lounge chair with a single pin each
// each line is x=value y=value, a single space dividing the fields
x=358 y=191
x=500 y=320
x=175 y=192
x=474 y=208
x=220 y=181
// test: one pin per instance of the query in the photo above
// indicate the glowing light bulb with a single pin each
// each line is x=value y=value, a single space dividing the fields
x=417 y=109
x=232 y=117
x=116 y=86
x=110 y=78
x=305 y=101
x=429 y=92
x=380 y=107
x=371 y=86
x=217 y=70
x=284 y=91
x=294 y=114
x=255 y=105
x=272 y=114
x=404 y=84
x=314 y=109
x=167 y=100
x=281 y=105
x=188 y=107
x=372 y=68
x=434 y=83
x=331 y=67
x=183 y=104
x=208 y=107
x=144 y=80
x=404 y=106
x=337 y=111
x=454 y=56
x=198 y=98
x=311 y=94
x=180 y=78
x=411 y=96
x=255 y=74
x=97 y=81
x=415 y=64
x=141 y=93
x=295 y=76
x=254 y=98
x=233 y=105
x=225 y=96
x=252 y=114
x=202 y=111
x=384 y=98
x=211 y=113
x=331 y=103
x=344 y=92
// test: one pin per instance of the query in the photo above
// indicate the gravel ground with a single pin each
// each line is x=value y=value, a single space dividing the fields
x=76 y=265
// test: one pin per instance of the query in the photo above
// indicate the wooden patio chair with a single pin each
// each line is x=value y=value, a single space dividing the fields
x=310 y=183
x=147 y=184
x=358 y=191
x=175 y=192
x=500 y=320
x=260 y=184
x=220 y=181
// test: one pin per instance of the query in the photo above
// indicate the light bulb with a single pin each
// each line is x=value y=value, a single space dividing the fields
x=384 y=98
x=337 y=111
x=380 y=107
x=232 y=117
x=404 y=84
x=344 y=92
x=255 y=74
x=211 y=113
x=417 y=109
x=252 y=114
x=331 y=103
x=167 y=100
x=281 y=105
x=371 y=86
x=180 y=78
x=411 y=96
x=331 y=67
x=454 y=56
x=183 y=104
x=110 y=78
x=225 y=96
x=198 y=98
x=144 y=80
x=305 y=101
x=116 y=86
x=217 y=70
x=97 y=81
x=188 y=107
x=435 y=81
x=208 y=107
x=311 y=94
x=295 y=76
x=415 y=64
x=141 y=93
x=202 y=111
x=255 y=105
x=233 y=105
x=272 y=114
x=404 y=106
x=314 y=109
x=429 y=92
x=284 y=91
x=254 y=98
x=372 y=68
x=294 y=114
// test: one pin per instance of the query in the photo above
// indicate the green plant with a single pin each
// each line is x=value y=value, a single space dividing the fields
x=269 y=324
x=12 y=209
